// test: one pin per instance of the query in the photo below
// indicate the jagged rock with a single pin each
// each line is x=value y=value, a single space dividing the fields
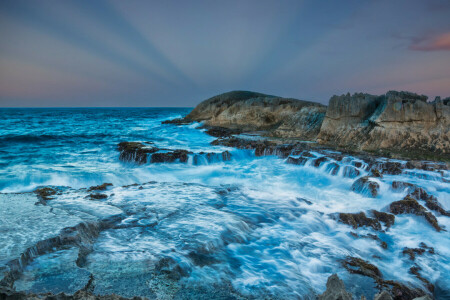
x=412 y=252
x=357 y=265
x=335 y=290
x=366 y=186
x=410 y=206
x=135 y=152
x=384 y=295
x=359 y=220
x=419 y=193
x=391 y=168
x=296 y=161
x=400 y=122
x=211 y=157
x=387 y=219
x=101 y=187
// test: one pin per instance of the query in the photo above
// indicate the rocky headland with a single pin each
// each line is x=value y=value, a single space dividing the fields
x=396 y=124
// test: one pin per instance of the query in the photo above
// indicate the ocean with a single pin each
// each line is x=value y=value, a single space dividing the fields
x=249 y=227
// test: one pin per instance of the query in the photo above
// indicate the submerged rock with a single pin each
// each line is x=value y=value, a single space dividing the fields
x=101 y=187
x=335 y=290
x=44 y=194
x=410 y=206
x=351 y=172
x=412 y=252
x=366 y=187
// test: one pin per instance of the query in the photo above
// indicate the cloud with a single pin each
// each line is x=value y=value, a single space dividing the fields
x=431 y=43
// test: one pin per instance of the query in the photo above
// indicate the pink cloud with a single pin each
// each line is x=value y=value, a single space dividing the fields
x=432 y=43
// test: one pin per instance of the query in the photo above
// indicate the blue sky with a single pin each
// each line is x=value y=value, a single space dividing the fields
x=177 y=53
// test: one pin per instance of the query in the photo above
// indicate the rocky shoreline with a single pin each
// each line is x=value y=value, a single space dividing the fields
x=396 y=124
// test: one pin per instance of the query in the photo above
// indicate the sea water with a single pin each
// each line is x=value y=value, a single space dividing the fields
x=251 y=227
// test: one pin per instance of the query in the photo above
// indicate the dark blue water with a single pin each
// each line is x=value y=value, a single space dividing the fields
x=236 y=227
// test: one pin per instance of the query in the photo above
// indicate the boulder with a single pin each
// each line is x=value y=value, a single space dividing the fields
x=335 y=290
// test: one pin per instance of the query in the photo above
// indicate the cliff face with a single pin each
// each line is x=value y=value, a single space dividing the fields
x=283 y=117
x=398 y=121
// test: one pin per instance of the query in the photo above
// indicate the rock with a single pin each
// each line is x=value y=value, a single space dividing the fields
x=357 y=265
x=386 y=218
x=374 y=237
x=296 y=161
x=44 y=194
x=399 y=122
x=250 y=111
x=384 y=295
x=419 y=193
x=177 y=121
x=319 y=161
x=366 y=187
x=415 y=270
x=351 y=172
x=135 y=152
x=359 y=220
x=410 y=206
x=221 y=131
x=335 y=290
x=101 y=187
x=391 y=168
x=98 y=196
x=332 y=168
x=176 y=155
x=376 y=173
x=412 y=252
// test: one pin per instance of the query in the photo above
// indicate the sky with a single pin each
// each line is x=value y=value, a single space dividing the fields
x=177 y=53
